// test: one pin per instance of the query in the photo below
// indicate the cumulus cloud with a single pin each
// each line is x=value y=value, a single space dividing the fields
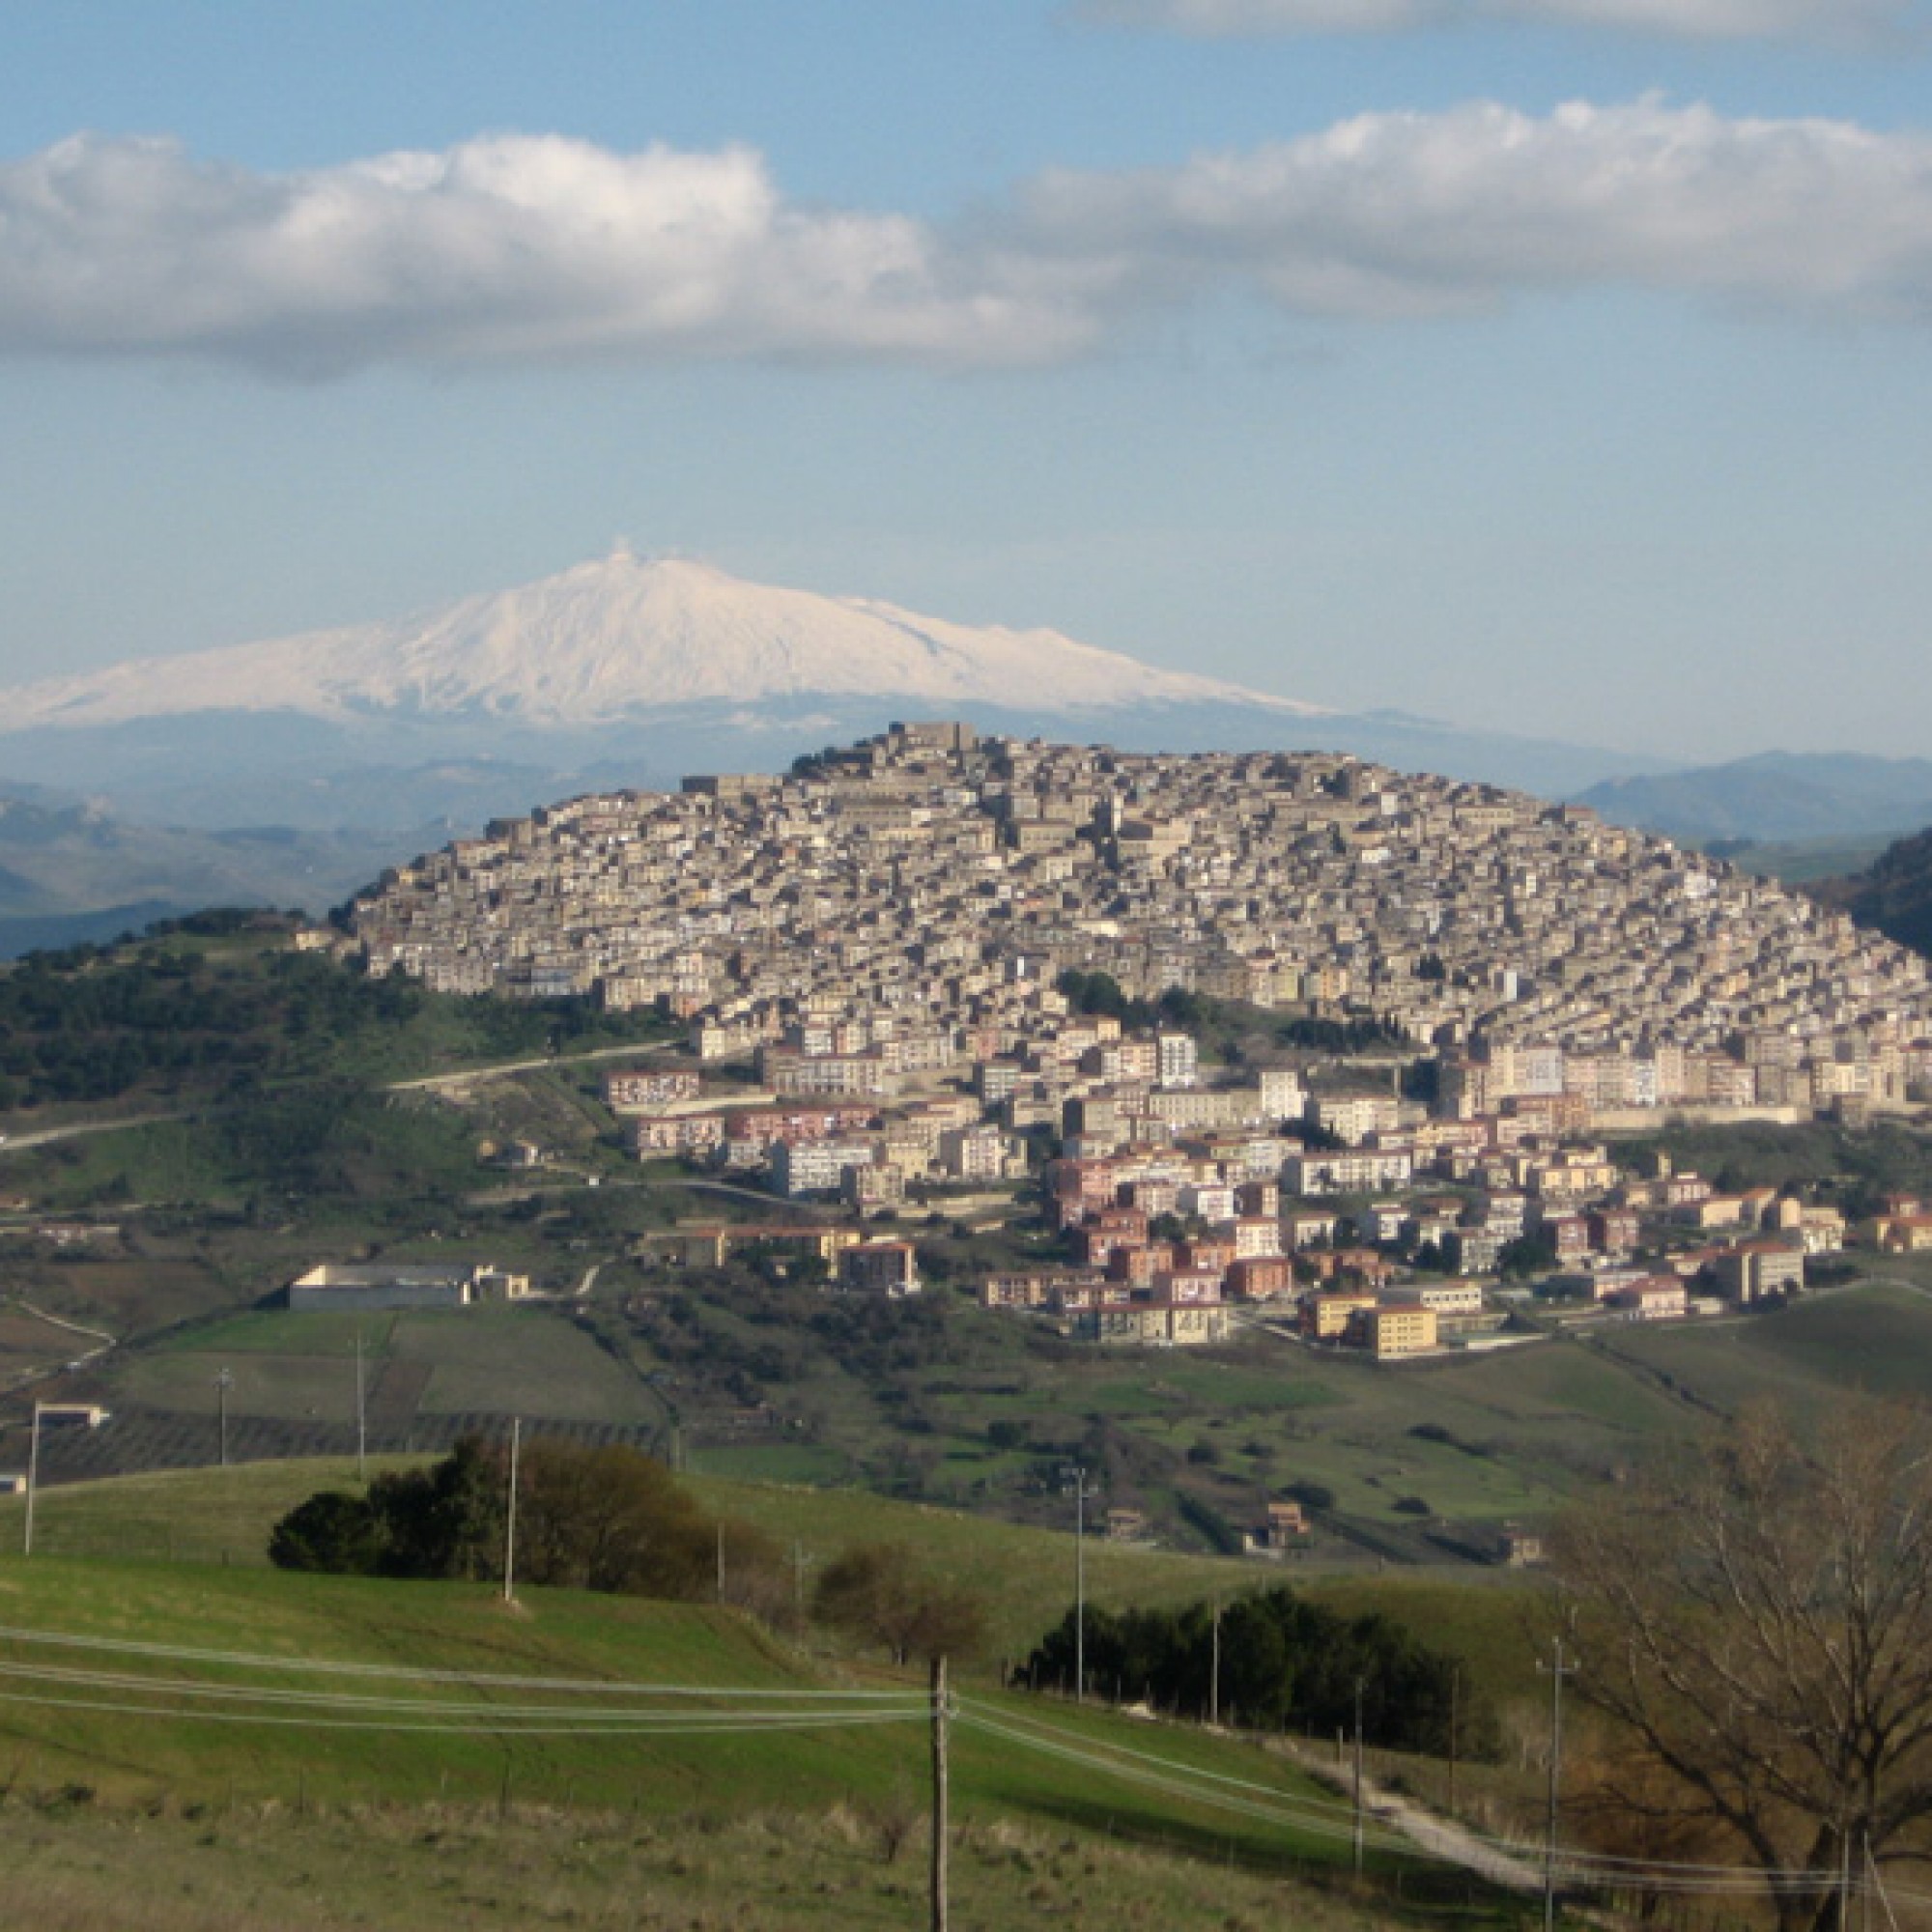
x=505 y=249
x=515 y=249
x=1694 y=20
x=1393 y=215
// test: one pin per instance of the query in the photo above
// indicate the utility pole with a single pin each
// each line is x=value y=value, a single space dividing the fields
x=361 y=1417
x=1079 y=1584
x=1557 y=1670
x=33 y=1483
x=510 y=1513
x=1359 y=1682
x=1454 y=1727
x=798 y=1579
x=939 y=1796
x=1214 y=1672
x=223 y=1382
x=721 y=1559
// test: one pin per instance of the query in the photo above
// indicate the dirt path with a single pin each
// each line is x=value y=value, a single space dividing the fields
x=438 y=1083
x=1441 y=1838
x=41 y=1137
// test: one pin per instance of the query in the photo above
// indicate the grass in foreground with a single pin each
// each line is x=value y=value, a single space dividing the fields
x=321 y=1820
x=143 y=1741
x=259 y=1868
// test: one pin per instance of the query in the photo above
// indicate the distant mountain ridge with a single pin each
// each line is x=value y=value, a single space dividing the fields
x=70 y=870
x=1776 y=796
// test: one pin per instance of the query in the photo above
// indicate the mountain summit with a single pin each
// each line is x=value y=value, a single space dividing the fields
x=616 y=639
x=626 y=673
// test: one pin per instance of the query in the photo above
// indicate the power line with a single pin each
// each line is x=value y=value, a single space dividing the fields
x=638 y=1724
x=585 y=1686
x=749 y=1709
x=1334 y=1821
x=332 y=1700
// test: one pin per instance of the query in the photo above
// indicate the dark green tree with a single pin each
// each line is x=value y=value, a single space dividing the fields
x=332 y=1532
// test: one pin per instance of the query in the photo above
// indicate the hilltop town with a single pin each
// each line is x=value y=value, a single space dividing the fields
x=900 y=938
x=910 y=901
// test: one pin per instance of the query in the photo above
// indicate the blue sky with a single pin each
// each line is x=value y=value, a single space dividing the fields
x=1558 y=366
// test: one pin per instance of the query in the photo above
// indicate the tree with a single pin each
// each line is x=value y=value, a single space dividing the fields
x=1755 y=1618
x=1283 y=1660
x=1527 y=1254
x=588 y=1518
x=333 y=1532
x=877 y=1593
x=612 y=1520
x=446 y=1520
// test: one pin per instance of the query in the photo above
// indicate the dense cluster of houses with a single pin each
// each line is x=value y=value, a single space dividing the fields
x=893 y=909
x=1170 y=1242
x=878 y=940
x=1182 y=1205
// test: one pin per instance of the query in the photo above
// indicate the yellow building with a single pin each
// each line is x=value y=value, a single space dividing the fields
x=1393 y=1329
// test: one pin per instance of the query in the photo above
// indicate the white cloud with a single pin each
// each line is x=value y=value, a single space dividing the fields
x=1695 y=19
x=1394 y=214
x=503 y=248
x=517 y=250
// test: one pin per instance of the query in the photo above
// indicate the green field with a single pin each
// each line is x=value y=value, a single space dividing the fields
x=950 y=1404
x=1877 y=1338
x=475 y=1814
x=223 y=1517
x=532 y=1361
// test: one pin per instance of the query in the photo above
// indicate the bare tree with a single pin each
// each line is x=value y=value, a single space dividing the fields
x=878 y=1593
x=1756 y=1618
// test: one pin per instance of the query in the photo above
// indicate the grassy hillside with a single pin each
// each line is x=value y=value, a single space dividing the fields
x=970 y=1411
x=219 y=1004
x=1805 y=1357
x=222 y=1517
x=451 y=1792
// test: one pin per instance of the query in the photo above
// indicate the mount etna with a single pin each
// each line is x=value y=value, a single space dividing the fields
x=313 y=762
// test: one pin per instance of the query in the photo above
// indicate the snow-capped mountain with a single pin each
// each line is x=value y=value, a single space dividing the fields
x=626 y=673
x=620 y=638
